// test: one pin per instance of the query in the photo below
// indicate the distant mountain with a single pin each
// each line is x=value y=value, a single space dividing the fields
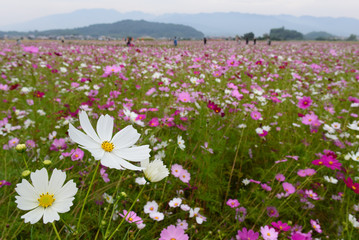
x=233 y=23
x=318 y=35
x=211 y=24
x=79 y=18
x=122 y=29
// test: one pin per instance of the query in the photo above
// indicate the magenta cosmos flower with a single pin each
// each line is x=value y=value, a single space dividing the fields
x=233 y=203
x=173 y=233
x=281 y=226
x=247 y=235
x=305 y=102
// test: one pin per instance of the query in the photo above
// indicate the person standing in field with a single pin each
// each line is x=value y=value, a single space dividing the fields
x=247 y=40
x=254 y=41
x=175 y=41
x=205 y=41
x=269 y=42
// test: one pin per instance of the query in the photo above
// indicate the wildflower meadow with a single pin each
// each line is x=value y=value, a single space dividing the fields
x=151 y=141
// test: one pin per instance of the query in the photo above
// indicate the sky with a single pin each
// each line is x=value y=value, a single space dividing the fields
x=17 y=11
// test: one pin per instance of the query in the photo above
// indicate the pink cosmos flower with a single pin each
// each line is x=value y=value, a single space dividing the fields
x=280 y=177
x=78 y=154
x=266 y=187
x=58 y=144
x=176 y=170
x=269 y=233
x=173 y=232
x=316 y=226
x=184 y=97
x=305 y=102
x=157 y=216
x=131 y=217
x=150 y=207
x=311 y=194
x=104 y=175
x=256 y=115
x=288 y=188
x=185 y=176
x=233 y=203
x=247 y=235
x=176 y=202
x=309 y=119
x=13 y=142
x=182 y=224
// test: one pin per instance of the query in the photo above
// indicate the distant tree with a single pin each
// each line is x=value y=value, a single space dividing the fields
x=352 y=37
x=249 y=35
x=284 y=34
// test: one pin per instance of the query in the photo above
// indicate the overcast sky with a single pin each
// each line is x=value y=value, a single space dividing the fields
x=16 y=11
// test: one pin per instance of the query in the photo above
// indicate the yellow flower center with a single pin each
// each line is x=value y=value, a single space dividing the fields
x=172 y=239
x=330 y=162
x=156 y=217
x=176 y=204
x=354 y=188
x=130 y=219
x=46 y=200
x=268 y=234
x=151 y=208
x=107 y=146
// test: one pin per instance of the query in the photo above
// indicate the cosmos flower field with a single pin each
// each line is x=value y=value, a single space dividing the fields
x=223 y=141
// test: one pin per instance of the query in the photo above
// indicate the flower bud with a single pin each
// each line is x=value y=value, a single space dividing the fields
x=47 y=162
x=20 y=148
x=25 y=173
x=154 y=171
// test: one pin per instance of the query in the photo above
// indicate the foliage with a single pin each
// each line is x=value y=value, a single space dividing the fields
x=285 y=34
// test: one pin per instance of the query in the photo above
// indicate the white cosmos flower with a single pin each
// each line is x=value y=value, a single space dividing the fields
x=154 y=171
x=45 y=198
x=112 y=151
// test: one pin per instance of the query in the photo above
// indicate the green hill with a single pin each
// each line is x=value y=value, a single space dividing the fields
x=122 y=29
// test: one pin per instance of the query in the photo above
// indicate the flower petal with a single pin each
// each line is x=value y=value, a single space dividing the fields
x=50 y=215
x=40 y=180
x=26 y=190
x=128 y=165
x=110 y=162
x=33 y=216
x=26 y=204
x=63 y=205
x=81 y=138
x=97 y=153
x=134 y=154
x=105 y=127
x=56 y=181
x=67 y=191
x=125 y=138
x=87 y=127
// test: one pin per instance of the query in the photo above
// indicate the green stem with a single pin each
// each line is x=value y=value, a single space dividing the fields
x=57 y=233
x=123 y=219
x=87 y=194
x=23 y=157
